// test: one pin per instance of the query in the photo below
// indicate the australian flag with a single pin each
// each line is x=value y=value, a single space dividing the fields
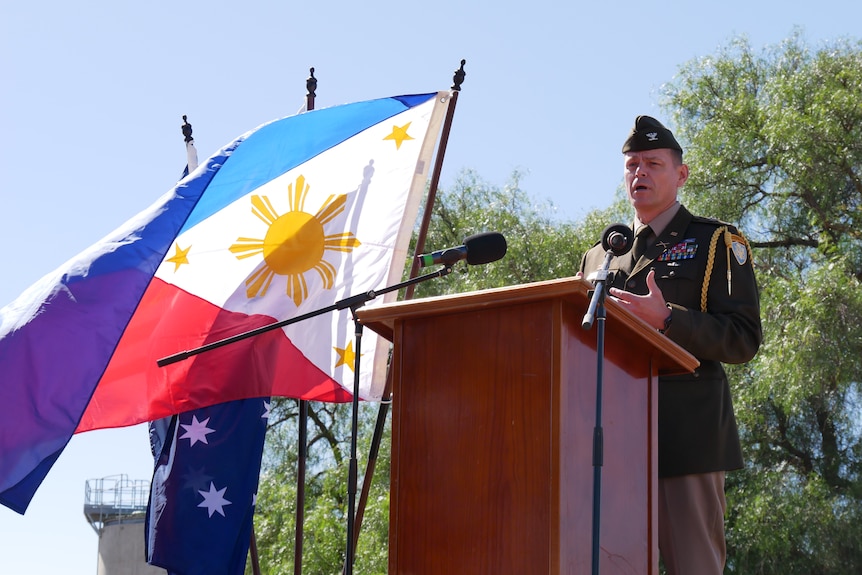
x=199 y=520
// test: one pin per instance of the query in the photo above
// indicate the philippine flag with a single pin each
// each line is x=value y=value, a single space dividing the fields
x=288 y=219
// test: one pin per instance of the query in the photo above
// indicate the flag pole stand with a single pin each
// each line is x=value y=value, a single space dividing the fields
x=302 y=423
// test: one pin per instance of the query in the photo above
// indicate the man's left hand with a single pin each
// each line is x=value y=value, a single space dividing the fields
x=650 y=307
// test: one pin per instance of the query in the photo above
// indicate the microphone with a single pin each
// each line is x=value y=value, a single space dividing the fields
x=618 y=238
x=478 y=249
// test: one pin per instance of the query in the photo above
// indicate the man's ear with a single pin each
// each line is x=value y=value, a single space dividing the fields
x=683 y=175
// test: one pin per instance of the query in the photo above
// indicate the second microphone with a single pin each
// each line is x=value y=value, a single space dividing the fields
x=478 y=249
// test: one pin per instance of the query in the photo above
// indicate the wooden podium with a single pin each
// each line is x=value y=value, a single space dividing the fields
x=492 y=430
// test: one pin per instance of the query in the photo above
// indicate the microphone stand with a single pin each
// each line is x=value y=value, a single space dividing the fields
x=596 y=311
x=353 y=302
x=616 y=240
x=597 y=301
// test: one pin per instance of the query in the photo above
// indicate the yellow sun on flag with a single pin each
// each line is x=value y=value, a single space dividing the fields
x=295 y=242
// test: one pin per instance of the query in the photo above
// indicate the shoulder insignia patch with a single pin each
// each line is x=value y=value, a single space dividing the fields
x=739 y=248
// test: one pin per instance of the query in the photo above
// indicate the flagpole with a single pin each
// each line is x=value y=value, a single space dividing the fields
x=191 y=165
x=255 y=559
x=310 y=87
x=383 y=411
x=191 y=152
x=457 y=80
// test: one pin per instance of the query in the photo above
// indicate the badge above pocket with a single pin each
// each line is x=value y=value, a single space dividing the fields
x=684 y=250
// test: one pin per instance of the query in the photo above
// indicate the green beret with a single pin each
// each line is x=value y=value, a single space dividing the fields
x=649 y=134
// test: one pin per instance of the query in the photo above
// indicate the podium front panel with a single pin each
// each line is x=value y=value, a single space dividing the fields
x=492 y=433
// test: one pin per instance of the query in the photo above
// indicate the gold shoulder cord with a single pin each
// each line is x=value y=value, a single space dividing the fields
x=710 y=261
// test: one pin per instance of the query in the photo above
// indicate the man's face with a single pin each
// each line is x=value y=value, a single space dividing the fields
x=652 y=180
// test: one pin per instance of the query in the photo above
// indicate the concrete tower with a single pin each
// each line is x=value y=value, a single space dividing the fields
x=116 y=508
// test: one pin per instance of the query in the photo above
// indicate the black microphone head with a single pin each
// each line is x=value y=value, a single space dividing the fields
x=485 y=248
x=618 y=238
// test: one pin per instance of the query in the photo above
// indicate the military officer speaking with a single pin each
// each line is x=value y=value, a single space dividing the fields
x=691 y=278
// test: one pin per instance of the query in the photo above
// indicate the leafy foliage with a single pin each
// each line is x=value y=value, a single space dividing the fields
x=326 y=498
x=774 y=141
x=539 y=246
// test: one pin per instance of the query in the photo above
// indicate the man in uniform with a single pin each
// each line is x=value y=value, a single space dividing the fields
x=692 y=279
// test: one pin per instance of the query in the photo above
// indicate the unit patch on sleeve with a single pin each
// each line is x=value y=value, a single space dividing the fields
x=739 y=248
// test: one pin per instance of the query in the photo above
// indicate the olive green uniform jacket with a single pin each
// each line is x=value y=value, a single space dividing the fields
x=697 y=430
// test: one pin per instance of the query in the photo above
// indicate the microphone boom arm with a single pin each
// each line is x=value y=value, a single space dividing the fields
x=353 y=302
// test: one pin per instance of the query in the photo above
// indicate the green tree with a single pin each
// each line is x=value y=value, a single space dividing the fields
x=774 y=141
x=327 y=461
x=540 y=245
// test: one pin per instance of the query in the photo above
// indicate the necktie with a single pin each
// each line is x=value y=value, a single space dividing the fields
x=640 y=244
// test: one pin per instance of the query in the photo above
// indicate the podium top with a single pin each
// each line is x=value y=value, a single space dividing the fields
x=671 y=359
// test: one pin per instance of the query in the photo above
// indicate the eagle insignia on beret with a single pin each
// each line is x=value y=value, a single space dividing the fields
x=652 y=136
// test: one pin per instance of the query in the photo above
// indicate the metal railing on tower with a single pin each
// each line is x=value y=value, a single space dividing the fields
x=115 y=499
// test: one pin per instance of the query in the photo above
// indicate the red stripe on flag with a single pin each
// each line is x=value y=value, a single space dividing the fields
x=134 y=389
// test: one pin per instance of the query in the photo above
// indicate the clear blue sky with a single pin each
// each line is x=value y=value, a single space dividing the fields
x=93 y=94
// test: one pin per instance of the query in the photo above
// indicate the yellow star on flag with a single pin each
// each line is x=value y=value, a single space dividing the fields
x=346 y=356
x=180 y=257
x=399 y=135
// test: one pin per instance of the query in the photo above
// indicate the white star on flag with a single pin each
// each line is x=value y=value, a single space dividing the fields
x=196 y=430
x=195 y=478
x=214 y=500
x=266 y=407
